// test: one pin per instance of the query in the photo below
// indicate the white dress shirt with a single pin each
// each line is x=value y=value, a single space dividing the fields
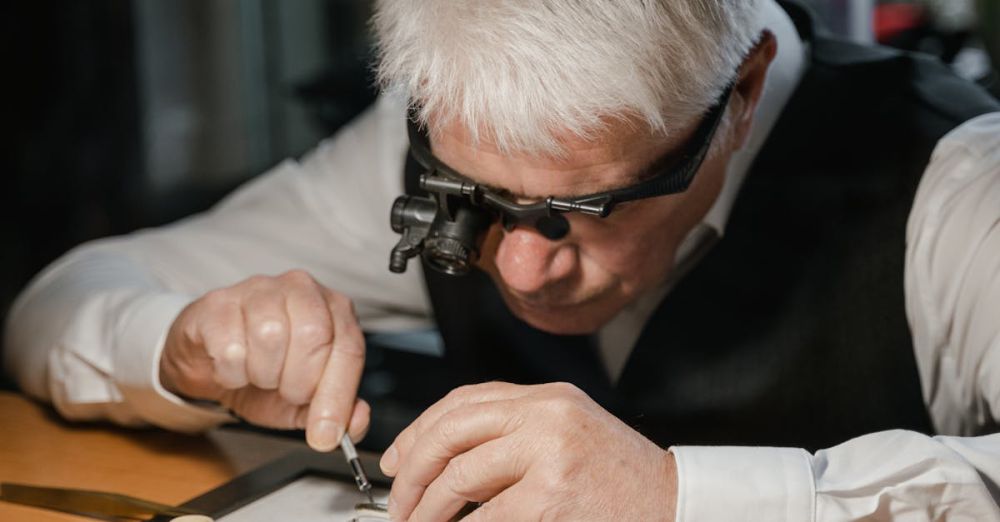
x=88 y=332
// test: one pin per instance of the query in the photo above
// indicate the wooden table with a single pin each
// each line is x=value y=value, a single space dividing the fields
x=37 y=447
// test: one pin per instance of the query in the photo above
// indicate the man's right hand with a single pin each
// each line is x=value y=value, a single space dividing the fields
x=283 y=352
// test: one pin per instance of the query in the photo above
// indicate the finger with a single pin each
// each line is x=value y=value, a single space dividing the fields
x=453 y=434
x=459 y=397
x=264 y=408
x=267 y=336
x=309 y=345
x=475 y=476
x=332 y=404
x=222 y=331
x=360 y=420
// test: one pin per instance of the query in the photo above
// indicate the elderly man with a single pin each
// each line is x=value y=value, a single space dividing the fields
x=707 y=241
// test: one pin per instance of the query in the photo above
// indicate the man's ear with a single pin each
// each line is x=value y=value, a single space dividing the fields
x=750 y=86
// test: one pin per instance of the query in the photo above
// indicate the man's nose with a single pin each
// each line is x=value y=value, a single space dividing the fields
x=528 y=262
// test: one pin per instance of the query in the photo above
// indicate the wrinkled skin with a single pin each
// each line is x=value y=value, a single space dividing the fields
x=544 y=452
x=282 y=352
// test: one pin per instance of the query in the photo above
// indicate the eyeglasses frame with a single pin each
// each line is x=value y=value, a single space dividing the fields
x=669 y=175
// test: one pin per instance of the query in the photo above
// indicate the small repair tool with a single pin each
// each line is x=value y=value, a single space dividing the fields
x=351 y=454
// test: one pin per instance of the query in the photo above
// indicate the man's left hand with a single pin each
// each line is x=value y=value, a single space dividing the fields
x=545 y=452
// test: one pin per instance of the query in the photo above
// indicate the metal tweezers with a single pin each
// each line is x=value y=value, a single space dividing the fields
x=96 y=504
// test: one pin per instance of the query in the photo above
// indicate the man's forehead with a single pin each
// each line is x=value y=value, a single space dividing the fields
x=617 y=156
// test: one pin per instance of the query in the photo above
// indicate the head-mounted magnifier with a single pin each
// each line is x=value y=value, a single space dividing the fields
x=446 y=227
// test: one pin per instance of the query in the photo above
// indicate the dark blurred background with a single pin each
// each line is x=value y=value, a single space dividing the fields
x=122 y=114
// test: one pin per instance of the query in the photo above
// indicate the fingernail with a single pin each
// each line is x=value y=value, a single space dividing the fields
x=325 y=435
x=389 y=460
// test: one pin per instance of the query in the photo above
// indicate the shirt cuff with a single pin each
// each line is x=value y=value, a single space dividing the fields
x=743 y=483
x=142 y=332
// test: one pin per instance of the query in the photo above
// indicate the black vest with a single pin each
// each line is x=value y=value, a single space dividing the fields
x=791 y=331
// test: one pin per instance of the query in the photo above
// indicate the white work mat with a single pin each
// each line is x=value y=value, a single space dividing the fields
x=310 y=498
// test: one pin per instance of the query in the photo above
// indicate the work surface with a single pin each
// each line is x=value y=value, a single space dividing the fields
x=36 y=447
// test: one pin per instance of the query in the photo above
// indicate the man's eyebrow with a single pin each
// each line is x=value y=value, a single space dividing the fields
x=654 y=168
x=464 y=177
x=506 y=193
x=509 y=194
x=500 y=191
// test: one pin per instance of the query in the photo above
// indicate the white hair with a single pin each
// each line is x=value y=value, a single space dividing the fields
x=524 y=72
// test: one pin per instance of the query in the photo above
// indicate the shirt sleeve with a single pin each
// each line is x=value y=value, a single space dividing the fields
x=952 y=286
x=88 y=331
x=895 y=475
x=953 y=279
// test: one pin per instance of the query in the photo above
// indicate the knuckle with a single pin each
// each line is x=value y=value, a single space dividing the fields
x=256 y=281
x=298 y=276
x=270 y=330
x=448 y=428
x=567 y=390
x=187 y=326
x=223 y=350
x=457 y=394
x=215 y=298
x=231 y=354
x=560 y=407
x=314 y=333
x=497 y=386
x=458 y=477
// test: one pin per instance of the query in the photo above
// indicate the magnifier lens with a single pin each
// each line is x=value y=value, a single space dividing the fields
x=448 y=256
x=553 y=227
